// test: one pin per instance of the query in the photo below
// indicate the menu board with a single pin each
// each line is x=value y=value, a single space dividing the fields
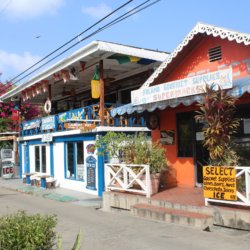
x=91 y=172
x=219 y=182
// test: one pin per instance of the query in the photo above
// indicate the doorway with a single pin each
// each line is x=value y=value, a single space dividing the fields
x=201 y=153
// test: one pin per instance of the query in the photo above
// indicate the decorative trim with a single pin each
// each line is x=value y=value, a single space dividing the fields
x=200 y=28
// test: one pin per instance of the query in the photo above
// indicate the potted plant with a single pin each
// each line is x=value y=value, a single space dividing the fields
x=134 y=149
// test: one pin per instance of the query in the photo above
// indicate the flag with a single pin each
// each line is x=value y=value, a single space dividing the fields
x=65 y=75
x=95 y=84
x=72 y=74
x=83 y=64
x=56 y=77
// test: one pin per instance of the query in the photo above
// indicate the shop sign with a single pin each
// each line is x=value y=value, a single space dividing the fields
x=167 y=137
x=47 y=138
x=31 y=124
x=76 y=115
x=6 y=153
x=48 y=122
x=82 y=126
x=181 y=88
x=219 y=183
x=7 y=171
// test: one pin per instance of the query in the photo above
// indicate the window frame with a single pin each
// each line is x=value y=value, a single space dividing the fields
x=75 y=161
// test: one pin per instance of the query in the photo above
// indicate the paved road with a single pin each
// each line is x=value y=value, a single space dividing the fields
x=103 y=230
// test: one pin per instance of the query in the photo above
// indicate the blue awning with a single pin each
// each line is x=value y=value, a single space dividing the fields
x=240 y=86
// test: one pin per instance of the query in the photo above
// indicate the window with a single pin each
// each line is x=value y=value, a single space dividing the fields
x=75 y=160
x=40 y=159
x=214 y=54
x=185 y=134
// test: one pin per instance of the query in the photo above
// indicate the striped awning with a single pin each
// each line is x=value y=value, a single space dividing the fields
x=240 y=86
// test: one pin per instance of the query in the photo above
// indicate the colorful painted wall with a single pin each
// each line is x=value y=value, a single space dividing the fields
x=182 y=170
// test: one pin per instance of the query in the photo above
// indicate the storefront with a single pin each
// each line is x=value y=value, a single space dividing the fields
x=208 y=54
x=77 y=95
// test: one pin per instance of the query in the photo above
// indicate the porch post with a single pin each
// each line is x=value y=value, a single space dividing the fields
x=101 y=93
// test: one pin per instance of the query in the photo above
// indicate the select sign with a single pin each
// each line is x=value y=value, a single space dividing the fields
x=219 y=183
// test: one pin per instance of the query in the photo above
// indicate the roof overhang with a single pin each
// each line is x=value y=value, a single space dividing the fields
x=91 y=54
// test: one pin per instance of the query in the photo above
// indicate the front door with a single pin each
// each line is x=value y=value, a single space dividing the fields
x=201 y=153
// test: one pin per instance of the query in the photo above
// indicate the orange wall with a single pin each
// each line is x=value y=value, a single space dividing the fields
x=182 y=170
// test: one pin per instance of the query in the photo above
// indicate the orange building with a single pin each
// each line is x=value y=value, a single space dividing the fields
x=170 y=96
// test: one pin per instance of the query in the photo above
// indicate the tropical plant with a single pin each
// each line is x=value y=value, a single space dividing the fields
x=133 y=149
x=217 y=111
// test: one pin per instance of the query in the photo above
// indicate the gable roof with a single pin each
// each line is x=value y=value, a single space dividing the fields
x=200 y=28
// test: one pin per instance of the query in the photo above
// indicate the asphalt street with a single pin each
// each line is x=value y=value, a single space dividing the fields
x=119 y=230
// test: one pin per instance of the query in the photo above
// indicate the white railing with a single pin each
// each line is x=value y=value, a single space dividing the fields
x=128 y=177
x=242 y=186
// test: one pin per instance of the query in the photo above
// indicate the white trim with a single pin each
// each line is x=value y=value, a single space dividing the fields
x=200 y=28
x=79 y=131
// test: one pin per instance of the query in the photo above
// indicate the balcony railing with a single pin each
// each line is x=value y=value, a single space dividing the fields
x=82 y=118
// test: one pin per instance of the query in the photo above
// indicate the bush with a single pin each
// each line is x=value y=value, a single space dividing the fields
x=22 y=231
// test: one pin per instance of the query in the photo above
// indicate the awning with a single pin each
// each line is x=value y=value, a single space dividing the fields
x=240 y=86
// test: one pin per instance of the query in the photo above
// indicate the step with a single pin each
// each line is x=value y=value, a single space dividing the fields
x=169 y=215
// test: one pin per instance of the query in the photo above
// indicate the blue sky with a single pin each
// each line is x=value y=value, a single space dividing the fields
x=31 y=29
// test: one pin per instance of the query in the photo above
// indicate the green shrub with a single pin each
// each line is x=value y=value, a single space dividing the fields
x=22 y=231
x=133 y=149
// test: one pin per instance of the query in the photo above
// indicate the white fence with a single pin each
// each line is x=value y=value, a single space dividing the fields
x=128 y=177
x=243 y=188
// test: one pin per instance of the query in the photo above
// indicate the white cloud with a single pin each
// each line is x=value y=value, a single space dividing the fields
x=97 y=11
x=25 y=9
x=10 y=62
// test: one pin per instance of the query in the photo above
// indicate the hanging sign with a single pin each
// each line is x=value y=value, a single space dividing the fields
x=48 y=122
x=81 y=126
x=219 y=183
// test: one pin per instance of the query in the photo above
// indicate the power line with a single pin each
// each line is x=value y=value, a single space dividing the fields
x=111 y=13
x=115 y=21
x=126 y=15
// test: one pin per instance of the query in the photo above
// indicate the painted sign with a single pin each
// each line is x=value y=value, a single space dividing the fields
x=81 y=126
x=31 y=124
x=7 y=171
x=167 y=137
x=180 y=88
x=219 y=183
x=76 y=115
x=47 y=138
x=48 y=122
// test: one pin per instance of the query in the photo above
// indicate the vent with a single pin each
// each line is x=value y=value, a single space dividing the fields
x=214 y=54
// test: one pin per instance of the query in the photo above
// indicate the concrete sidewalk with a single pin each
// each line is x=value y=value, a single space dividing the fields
x=59 y=194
